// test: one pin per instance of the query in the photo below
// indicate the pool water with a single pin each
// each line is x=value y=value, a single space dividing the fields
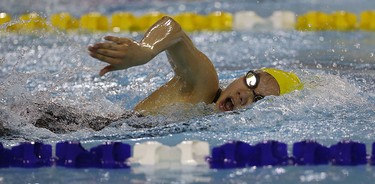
x=337 y=103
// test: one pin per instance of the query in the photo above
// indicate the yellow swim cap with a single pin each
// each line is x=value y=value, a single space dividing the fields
x=288 y=81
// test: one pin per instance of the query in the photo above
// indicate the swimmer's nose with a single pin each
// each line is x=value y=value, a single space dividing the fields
x=244 y=96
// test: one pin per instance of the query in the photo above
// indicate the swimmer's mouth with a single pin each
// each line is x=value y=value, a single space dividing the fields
x=227 y=105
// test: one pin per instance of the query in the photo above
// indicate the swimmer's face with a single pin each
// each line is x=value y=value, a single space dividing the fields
x=238 y=95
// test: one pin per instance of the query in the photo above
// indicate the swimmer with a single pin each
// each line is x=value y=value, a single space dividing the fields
x=195 y=79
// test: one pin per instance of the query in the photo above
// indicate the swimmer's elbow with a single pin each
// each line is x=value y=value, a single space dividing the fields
x=170 y=22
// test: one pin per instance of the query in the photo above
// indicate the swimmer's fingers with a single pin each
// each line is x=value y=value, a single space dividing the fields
x=107 y=59
x=111 y=53
x=105 y=45
x=118 y=40
x=107 y=69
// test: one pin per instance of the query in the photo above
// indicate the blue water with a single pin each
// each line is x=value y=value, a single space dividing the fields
x=338 y=102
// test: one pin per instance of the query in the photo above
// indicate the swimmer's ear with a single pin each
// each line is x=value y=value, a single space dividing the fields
x=106 y=69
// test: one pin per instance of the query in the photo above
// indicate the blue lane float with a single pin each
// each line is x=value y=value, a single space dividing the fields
x=112 y=155
x=348 y=153
x=108 y=155
x=238 y=154
x=271 y=153
x=372 y=159
x=310 y=153
x=32 y=155
x=73 y=155
x=5 y=157
x=233 y=154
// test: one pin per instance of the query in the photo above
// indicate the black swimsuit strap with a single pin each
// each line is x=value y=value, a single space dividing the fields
x=218 y=93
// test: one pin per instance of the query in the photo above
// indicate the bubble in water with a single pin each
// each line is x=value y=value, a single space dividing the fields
x=182 y=7
x=341 y=58
x=310 y=176
x=217 y=5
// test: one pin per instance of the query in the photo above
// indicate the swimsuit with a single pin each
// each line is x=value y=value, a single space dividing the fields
x=218 y=93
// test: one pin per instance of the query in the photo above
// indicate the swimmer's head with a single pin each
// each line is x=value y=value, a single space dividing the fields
x=255 y=85
x=287 y=81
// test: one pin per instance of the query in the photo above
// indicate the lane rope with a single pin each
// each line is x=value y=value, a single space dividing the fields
x=233 y=154
x=190 y=22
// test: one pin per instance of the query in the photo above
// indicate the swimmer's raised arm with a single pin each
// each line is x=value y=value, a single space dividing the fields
x=123 y=53
x=195 y=77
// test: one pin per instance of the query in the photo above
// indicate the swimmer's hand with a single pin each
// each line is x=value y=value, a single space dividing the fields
x=120 y=53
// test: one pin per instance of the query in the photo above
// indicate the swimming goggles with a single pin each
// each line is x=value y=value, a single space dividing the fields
x=252 y=81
